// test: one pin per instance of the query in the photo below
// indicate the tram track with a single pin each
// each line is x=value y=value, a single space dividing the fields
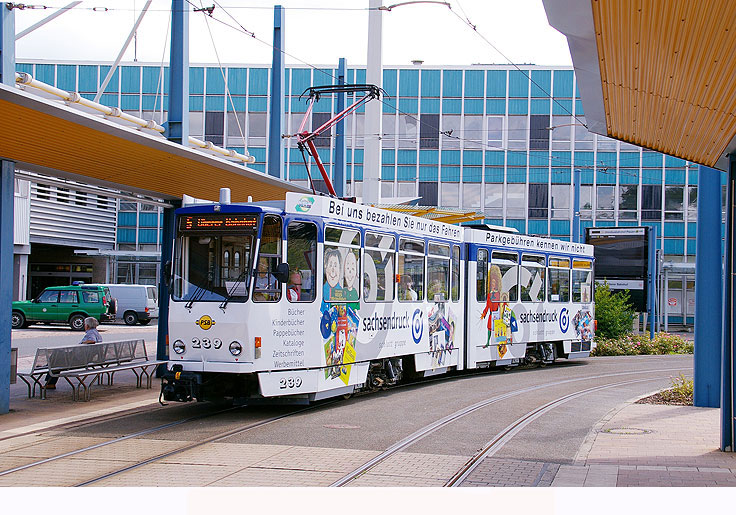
x=503 y=437
x=492 y=447
x=495 y=444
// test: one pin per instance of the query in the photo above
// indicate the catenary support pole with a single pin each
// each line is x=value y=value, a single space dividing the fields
x=707 y=371
x=276 y=112
x=338 y=179
x=177 y=126
x=652 y=279
x=372 y=154
x=177 y=130
x=576 y=207
x=167 y=249
x=728 y=363
x=7 y=191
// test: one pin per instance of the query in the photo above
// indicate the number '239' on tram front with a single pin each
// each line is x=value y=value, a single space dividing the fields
x=316 y=297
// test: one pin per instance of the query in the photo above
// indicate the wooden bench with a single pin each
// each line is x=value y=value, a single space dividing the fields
x=86 y=363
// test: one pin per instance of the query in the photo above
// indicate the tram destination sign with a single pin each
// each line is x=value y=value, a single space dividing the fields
x=369 y=215
x=214 y=222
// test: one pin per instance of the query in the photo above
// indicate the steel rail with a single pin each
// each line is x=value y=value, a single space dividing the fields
x=116 y=440
x=431 y=428
x=503 y=437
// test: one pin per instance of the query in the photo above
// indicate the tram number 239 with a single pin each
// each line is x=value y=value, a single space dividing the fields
x=290 y=382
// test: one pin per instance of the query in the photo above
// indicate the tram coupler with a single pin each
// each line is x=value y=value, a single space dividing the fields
x=180 y=386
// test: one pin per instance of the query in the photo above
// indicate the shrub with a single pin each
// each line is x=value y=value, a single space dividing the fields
x=681 y=391
x=638 y=344
x=613 y=312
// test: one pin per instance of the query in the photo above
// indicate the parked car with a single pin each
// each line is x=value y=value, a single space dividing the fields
x=136 y=303
x=67 y=304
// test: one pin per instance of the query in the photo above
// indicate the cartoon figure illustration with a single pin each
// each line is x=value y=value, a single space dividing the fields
x=492 y=299
x=583 y=323
x=441 y=334
x=331 y=291
x=339 y=322
x=351 y=280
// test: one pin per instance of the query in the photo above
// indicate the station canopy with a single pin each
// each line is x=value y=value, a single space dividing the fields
x=656 y=73
x=50 y=138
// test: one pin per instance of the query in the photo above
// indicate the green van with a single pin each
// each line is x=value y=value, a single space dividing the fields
x=66 y=304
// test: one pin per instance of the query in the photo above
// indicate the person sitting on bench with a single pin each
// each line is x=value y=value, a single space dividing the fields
x=91 y=335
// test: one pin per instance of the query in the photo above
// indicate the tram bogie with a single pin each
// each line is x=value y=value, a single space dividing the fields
x=317 y=297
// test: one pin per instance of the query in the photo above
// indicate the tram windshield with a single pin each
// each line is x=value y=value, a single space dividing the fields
x=213 y=258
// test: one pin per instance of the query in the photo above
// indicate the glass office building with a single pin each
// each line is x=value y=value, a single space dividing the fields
x=499 y=139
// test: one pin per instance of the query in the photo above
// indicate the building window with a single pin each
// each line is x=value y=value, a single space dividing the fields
x=256 y=129
x=429 y=131
x=627 y=202
x=538 y=201
x=604 y=202
x=319 y=119
x=473 y=133
x=515 y=200
x=471 y=195
x=605 y=143
x=539 y=132
x=517 y=132
x=214 y=127
x=586 y=202
x=583 y=138
x=493 y=205
x=388 y=140
x=561 y=130
x=428 y=193
x=236 y=129
x=692 y=203
x=560 y=201
x=651 y=202
x=673 y=202
x=407 y=131
x=451 y=131
x=450 y=194
x=495 y=132
x=407 y=189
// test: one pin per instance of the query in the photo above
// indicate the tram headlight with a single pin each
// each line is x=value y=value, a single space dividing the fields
x=179 y=347
x=235 y=348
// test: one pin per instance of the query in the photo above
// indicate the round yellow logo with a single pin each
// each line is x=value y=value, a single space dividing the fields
x=205 y=322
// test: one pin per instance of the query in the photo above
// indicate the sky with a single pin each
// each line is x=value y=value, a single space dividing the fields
x=318 y=32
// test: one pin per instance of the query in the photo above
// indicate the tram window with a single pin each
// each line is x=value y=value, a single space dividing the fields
x=438 y=272
x=342 y=235
x=267 y=288
x=532 y=278
x=559 y=279
x=341 y=266
x=505 y=268
x=582 y=280
x=481 y=276
x=378 y=267
x=455 y=286
x=301 y=254
x=411 y=270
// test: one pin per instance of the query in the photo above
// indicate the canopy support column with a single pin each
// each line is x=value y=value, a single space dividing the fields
x=727 y=348
x=707 y=372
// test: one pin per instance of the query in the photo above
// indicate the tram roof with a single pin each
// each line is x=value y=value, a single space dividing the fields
x=657 y=73
x=53 y=139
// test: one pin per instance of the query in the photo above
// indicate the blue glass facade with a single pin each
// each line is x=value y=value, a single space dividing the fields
x=487 y=138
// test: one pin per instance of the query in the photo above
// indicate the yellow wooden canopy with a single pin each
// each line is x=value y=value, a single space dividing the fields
x=50 y=138
x=656 y=73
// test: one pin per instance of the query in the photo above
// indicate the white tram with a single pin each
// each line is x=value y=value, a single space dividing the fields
x=316 y=297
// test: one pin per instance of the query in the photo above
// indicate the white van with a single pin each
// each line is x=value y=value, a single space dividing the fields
x=136 y=303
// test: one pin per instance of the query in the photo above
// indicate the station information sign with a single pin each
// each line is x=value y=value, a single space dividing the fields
x=217 y=222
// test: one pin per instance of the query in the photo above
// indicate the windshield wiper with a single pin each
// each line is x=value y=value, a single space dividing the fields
x=198 y=294
x=231 y=293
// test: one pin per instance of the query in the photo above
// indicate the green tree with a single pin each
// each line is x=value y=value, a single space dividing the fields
x=613 y=311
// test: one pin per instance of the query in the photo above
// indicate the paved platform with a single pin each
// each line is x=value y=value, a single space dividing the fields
x=634 y=445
